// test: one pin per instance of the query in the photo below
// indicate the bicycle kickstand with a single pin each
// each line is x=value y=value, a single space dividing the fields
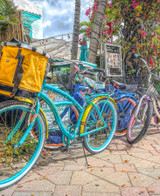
x=85 y=156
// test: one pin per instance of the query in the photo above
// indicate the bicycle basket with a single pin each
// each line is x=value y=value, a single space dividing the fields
x=141 y=81
x=151 y=90
x=22 y=67
x=66 y=79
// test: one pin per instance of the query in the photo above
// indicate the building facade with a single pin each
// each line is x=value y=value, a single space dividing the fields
x=32 y=18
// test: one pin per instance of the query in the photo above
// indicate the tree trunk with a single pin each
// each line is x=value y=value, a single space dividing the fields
x=76 y=30
x=95 y=34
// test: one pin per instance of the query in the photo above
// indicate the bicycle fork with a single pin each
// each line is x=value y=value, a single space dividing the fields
x=144 y=97
x=101 y=118
x=29 y=128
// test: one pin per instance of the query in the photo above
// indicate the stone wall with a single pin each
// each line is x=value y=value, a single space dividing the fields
x=57 y=48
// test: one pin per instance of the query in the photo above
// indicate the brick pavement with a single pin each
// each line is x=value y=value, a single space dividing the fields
x=121 y=169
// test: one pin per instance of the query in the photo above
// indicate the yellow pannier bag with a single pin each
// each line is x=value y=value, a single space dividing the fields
x=22 y=67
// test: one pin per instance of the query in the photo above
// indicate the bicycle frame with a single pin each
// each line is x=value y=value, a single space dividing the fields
x=72 y=101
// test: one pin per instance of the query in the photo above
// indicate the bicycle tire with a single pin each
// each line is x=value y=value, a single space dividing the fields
x=9 y=108
x=108 y=139
x=130 y=136
x=121 y=131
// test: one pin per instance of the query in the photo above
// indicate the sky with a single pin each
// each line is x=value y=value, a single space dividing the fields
x=58 y=15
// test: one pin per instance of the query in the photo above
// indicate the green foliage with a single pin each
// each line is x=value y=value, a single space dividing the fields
x=83 y=31
x=132 y=71
x=66 y=69
x=85 y=23
x=83 y=27
x=7 y=13
x=135 y=24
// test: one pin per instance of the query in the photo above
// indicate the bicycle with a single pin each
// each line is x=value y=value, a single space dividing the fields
x=125 y=103
x=142 y=113
x=19 y=150
x=125 y=100
x=124 y=97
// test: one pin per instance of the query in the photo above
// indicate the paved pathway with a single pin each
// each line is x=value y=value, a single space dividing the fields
x=120 y=170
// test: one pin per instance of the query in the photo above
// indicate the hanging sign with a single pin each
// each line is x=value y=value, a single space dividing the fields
x=113 y=62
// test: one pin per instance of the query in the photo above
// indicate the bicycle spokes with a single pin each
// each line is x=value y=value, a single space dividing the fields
x=13 y=125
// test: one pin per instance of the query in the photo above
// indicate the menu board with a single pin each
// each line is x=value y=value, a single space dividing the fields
x=113 y=63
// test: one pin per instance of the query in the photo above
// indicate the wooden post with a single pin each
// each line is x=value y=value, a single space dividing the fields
x=13 y=31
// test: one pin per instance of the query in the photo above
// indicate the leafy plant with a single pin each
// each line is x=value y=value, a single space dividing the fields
x=66 y=69
x=7 y=13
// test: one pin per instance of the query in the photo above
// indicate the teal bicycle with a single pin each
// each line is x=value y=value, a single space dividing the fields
x=22 y=118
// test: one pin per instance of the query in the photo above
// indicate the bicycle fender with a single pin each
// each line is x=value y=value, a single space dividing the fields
x=23 y=99
x=128 y=96
x=102 y=96
x=87 y=110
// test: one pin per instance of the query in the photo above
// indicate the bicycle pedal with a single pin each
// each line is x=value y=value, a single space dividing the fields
x=63 y=148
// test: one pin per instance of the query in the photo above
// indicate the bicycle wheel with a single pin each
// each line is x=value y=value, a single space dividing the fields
x=125 y=106
x=17 y=161
x=138 y=126
x=99 y=140
x=69 y=116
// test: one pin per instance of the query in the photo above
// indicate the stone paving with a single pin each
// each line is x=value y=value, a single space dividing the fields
x=121 y=169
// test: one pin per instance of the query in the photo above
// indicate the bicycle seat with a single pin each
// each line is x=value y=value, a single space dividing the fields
x=123 y=86
x=95 y=85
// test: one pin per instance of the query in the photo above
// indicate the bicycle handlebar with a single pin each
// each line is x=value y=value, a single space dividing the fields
x=77 y=62
x=146 y=66
x=96 y=70
x=87 y=72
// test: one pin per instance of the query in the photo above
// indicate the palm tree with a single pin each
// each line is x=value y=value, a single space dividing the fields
x=96 y=30
x=76 y=30
x=75 y=37
x=7 y=14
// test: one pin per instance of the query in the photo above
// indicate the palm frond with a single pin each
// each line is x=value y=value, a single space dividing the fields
x=85 y=23
x=83 y=30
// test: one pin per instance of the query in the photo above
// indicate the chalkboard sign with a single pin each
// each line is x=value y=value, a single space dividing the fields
x=113 y=62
